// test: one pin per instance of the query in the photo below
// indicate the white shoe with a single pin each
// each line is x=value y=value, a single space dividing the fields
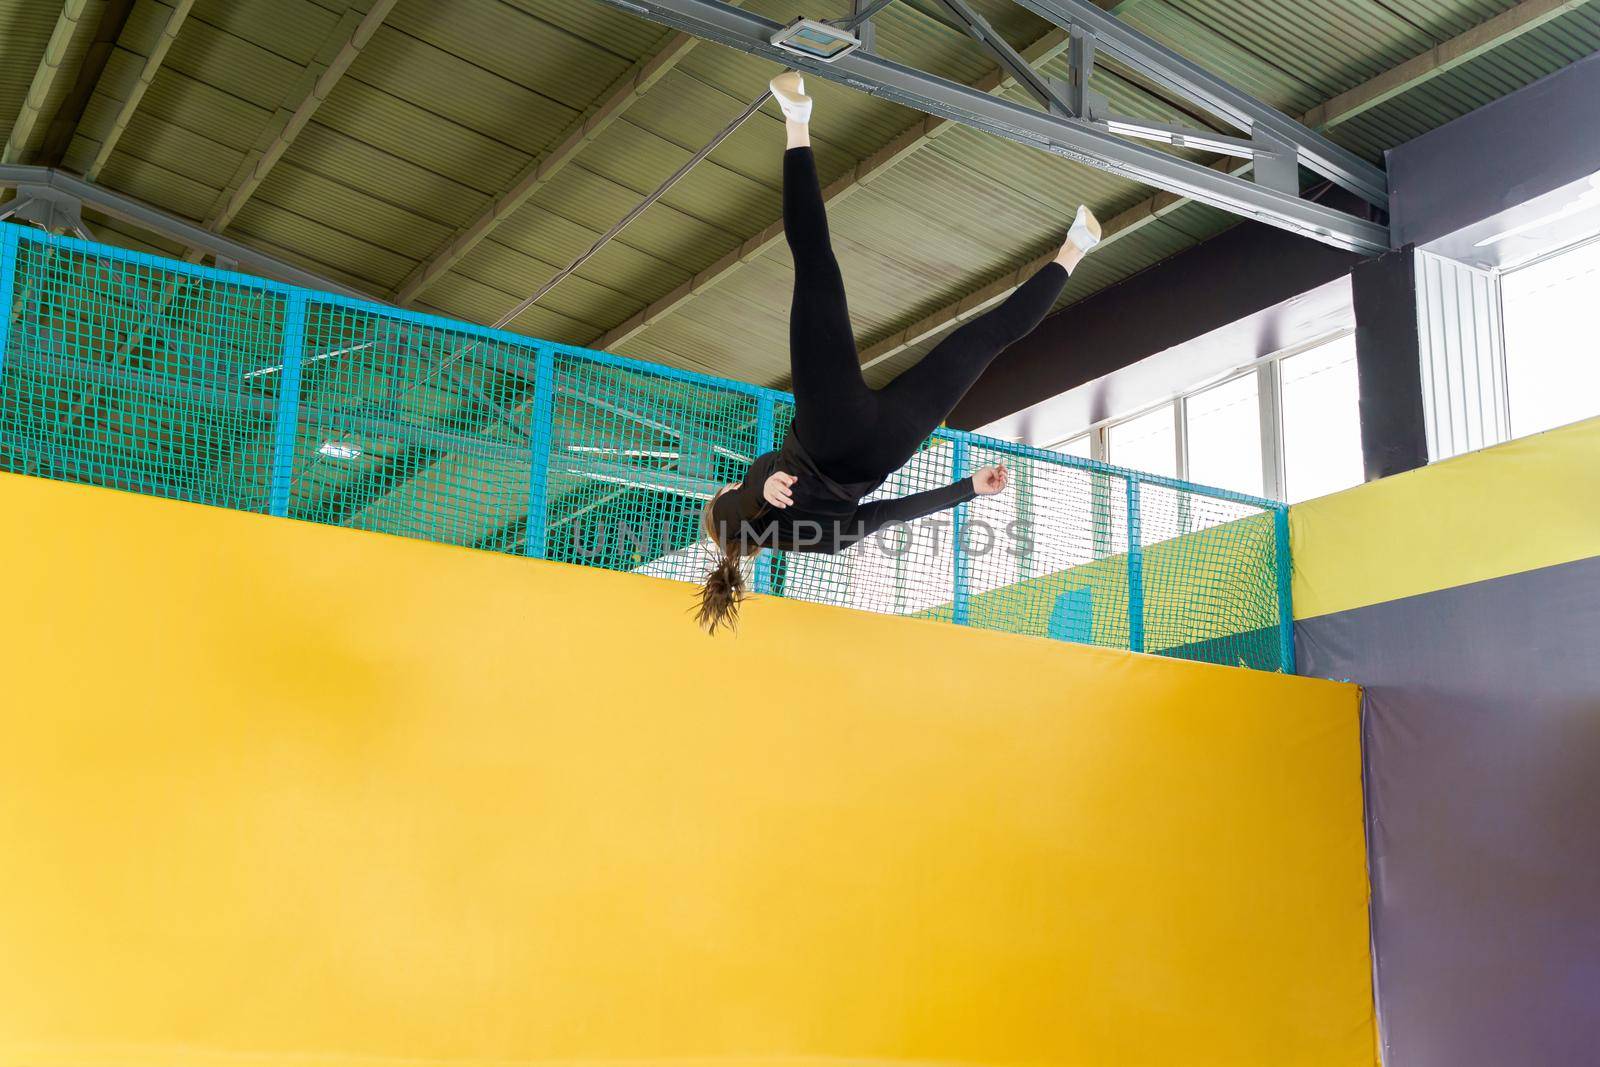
x=789 y=89
x=1085 y=232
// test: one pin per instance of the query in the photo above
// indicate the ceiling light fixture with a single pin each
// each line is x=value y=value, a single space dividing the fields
x=816 y=40
x=339 y=450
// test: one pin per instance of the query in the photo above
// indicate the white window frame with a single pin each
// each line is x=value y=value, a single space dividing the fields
x=1503 y=384
x=1269 y=395
x=1472 y=375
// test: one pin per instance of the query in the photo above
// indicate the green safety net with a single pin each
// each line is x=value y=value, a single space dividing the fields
x=134 y=372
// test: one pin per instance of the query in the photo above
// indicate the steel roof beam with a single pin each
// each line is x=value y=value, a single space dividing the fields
x=147 y=74
x=1493 y=32
x=1462 y=48
x=1083 y=142
x=1169 y=69
x=154 y=220
x=859 y=177
x=44 y=77
x=1010 y=61
x=255 y=167
x=64 y=123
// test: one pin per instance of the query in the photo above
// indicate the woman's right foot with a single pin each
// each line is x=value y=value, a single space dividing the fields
x=789 y=89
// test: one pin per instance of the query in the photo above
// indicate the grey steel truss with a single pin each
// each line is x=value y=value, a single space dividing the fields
x=1172 y=71
x=64 y=195
x=1075 y=123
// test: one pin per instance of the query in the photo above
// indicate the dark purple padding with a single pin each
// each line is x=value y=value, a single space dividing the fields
x=1482 y=748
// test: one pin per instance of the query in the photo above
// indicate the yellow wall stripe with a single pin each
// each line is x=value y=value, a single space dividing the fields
x=272 y=792
x=1529 y=503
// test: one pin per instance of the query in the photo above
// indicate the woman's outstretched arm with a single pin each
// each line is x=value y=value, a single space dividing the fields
x=875 y=515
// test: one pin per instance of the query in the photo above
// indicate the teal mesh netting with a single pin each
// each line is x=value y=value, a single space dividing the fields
x=129 y=371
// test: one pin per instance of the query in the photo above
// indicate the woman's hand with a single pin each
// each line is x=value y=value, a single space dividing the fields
x=776 y=489
x=988 y=481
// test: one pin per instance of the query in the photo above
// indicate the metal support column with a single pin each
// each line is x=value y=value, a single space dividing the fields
x=8 y=274
x=1084 y=102
x=1280 y=530
x=961 y=578
x=1268 y=393
x=1135 y=570
x=766 y=430
x=543 y=430
x=860 y=21
x=288 y=420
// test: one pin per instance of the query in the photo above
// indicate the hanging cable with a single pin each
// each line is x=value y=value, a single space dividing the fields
x=661 y=190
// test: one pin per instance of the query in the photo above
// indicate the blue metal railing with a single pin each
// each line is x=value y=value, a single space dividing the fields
x=1159 y=581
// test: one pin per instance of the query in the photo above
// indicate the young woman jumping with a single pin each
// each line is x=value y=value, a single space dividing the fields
x=847 y=438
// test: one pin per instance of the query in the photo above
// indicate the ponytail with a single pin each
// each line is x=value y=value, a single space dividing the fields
x=724 y=588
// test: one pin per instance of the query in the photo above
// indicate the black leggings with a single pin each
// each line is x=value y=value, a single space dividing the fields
x=855 y=433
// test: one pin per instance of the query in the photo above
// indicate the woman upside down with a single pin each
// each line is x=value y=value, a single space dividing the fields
x=847 y=438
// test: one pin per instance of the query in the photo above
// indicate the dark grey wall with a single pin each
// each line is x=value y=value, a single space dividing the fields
x=1481 y=736
x=1538 y=139
x=1237 y=273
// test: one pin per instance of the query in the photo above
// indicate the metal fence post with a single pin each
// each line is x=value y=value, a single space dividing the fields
x=766 y=430
x=1135 y=570
x=8 y=274
x=1280 y=527
x=288 y=420
x=961 y=579
x=543 y=429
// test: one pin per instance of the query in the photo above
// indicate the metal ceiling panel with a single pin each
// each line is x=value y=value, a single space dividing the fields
x=420 y=136
x=463 y=93
x=326 y=151
x=293 y=29
x=452 y=99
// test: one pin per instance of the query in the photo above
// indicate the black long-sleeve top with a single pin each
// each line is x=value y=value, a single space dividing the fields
x=826 y=516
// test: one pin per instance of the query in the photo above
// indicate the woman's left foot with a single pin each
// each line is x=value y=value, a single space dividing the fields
x=1085 y=232
x=1083 y=236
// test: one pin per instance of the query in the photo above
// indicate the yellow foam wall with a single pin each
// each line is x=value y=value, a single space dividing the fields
x=275 y=793
x=1530 y=503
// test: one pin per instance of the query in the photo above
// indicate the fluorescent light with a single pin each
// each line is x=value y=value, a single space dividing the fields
x=339 y=449
x=1589 y=199
x=639 y=453
x=319 y=357
x=1181 y=137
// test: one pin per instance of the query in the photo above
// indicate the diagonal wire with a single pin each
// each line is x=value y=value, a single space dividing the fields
x=567 y=271
x=639 y=209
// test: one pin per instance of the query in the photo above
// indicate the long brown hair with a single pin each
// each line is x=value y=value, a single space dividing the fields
x=725 y=586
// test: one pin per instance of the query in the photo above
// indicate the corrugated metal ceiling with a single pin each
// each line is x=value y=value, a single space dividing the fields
x=452 y=99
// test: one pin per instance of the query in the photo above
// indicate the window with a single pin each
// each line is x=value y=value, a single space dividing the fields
x=1146 y=442
x=1081 y=446
x=1551 y=348
x=1222 y=428
x=1321 y=421
x=1288 y=428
